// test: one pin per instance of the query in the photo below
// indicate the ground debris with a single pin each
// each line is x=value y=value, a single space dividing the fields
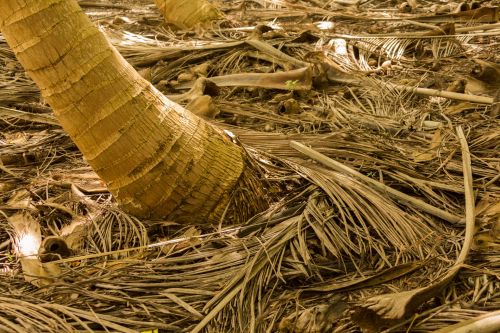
x=377 y=87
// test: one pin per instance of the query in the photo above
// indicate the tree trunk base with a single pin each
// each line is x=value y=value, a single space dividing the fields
x=247 y=198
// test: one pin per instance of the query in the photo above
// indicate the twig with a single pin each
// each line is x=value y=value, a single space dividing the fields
x=445 y=94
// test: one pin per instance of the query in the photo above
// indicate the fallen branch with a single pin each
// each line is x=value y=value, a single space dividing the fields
x=442 y=93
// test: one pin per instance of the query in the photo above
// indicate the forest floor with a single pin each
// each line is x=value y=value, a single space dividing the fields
x=376 y=126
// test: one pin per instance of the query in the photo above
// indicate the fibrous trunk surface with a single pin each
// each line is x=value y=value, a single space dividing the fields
x=157 y=158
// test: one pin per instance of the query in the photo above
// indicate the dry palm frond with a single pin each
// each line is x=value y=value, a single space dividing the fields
x=357 y=50
x=489 y=322
x=116 y=230
x=399 y=196
x=383 y=309
x=347 y=238
x=389 y=159
x=20 y=315
x=341 y=235
x=143 y=51
x=361 y=231
x=15 y=86
x=27 y=116
x=17 y=90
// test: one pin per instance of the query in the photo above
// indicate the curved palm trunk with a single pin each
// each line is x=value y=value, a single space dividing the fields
x=186 y=14
x=157 y=158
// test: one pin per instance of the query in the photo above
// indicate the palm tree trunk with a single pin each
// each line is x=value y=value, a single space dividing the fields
x=158 y=159
x=186 y=14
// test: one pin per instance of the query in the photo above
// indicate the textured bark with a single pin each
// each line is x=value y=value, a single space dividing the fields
x=157 y=158
x=186 y=14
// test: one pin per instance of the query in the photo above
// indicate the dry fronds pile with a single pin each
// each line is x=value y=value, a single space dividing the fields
x=376 y=209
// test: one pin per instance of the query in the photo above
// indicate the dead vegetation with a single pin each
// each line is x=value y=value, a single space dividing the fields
x=376 y=126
